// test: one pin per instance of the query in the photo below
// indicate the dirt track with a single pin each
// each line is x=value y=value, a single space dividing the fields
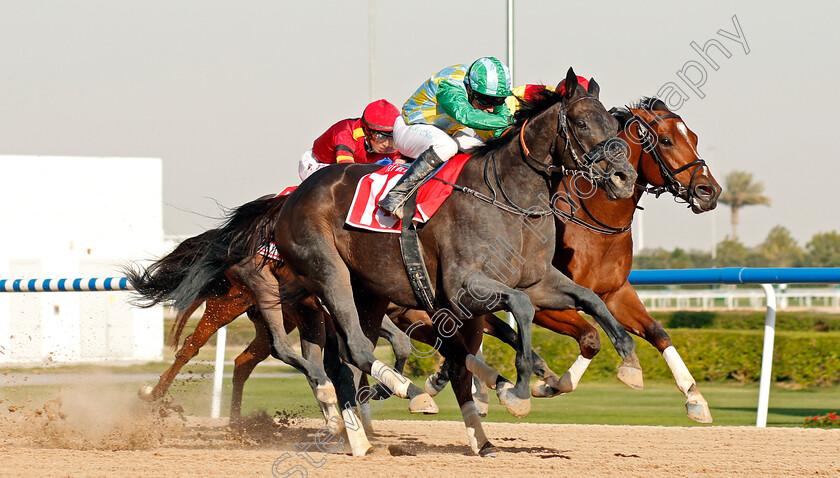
x=47 y=442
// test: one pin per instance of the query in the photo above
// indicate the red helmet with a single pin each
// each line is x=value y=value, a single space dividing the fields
x=380 y=116
x=581 y=81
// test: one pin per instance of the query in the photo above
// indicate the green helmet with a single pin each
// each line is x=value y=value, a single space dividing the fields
x=489 y=76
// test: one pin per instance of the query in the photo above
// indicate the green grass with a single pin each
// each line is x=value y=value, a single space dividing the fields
x=595 y=402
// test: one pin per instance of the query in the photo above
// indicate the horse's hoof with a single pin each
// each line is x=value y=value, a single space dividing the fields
x=541 y=389
x=631 y=376
x=516 y=406
x=697 y=408
x=146 y=393
x=423 y=403
x=326 y=393
x=488 y=450
x=433 y=386
x=364 y=451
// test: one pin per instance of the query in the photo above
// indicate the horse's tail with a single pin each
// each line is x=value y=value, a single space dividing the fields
x=247 y=229
x=155 y=283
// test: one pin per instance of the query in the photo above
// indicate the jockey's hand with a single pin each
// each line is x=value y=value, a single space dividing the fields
x=385 y=162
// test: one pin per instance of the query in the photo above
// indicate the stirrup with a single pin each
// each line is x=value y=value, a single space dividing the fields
x=393 y=204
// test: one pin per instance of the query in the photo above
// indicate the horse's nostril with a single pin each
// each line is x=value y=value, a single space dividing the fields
x=619 y=177
x=703 y=190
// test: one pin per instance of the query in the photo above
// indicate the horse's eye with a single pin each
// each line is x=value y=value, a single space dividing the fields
x=665 y=141
x=580 y=124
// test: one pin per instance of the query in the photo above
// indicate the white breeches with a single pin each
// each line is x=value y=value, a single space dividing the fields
x=411 y=140
x=308 y=165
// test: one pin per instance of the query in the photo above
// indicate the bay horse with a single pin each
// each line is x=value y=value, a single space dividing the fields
x=595 y=246
x=225 y=300
x=357 y=273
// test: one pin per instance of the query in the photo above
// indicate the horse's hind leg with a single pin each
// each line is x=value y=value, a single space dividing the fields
x=339 y=300
x=472 y=332
x=399 y=342
x=631 y=313
x=258 y=350
x=264 y=285
x=344 y=377
x=218 y=312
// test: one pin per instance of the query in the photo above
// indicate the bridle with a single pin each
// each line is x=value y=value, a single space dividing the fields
x=584 y=168
x=672 y=185
x=587 y=166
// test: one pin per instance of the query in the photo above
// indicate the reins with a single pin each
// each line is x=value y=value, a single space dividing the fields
x=547 y=168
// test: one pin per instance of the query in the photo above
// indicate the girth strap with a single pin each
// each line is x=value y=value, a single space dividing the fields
x=412 y=255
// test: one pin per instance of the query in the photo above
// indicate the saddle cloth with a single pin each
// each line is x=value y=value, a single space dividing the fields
x=373 y=187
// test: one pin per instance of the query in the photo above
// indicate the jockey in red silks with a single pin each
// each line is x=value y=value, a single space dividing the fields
x=357 y=140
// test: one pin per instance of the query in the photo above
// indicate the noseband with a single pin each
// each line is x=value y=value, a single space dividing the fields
x=672 y=185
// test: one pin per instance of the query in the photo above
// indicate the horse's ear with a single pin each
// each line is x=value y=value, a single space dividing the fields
x=571 y=83
x=594 y=89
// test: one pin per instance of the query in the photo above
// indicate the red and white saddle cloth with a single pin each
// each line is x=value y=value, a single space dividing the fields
x=271 y=250
x=372 y=188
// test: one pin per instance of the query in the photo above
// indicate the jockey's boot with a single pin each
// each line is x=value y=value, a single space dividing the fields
x=423 y=166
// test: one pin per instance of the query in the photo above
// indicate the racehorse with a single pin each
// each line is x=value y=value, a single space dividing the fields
x=225 y=300
x=356 y=273
x=595 y=248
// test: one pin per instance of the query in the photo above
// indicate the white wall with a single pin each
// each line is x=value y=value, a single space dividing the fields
x=67 y=217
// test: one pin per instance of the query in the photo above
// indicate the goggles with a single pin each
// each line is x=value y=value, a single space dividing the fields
x=486 y=101
x=381 y=136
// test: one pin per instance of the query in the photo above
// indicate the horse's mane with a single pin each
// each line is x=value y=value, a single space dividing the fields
x=623 y=114
x=541 y=101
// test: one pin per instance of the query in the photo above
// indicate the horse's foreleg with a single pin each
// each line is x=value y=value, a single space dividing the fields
x=258 y=350
x=570 y=323
x=218 y=312
x=482 y=290
x=558 y=292
x=501 y=330
x=631 y=313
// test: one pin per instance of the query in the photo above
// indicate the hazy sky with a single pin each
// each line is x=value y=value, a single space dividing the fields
x=229 y=94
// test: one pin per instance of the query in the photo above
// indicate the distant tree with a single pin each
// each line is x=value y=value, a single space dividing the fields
x=677 y=259
x=741 y=191
x=824 y=250
x=780 y=249
x=652 y=259
x=731 y=253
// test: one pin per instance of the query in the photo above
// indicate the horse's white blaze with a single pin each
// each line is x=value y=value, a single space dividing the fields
x=678 y=369
x=482 y=371
x=684 y=131
x=475 y=432
x=389 y=377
